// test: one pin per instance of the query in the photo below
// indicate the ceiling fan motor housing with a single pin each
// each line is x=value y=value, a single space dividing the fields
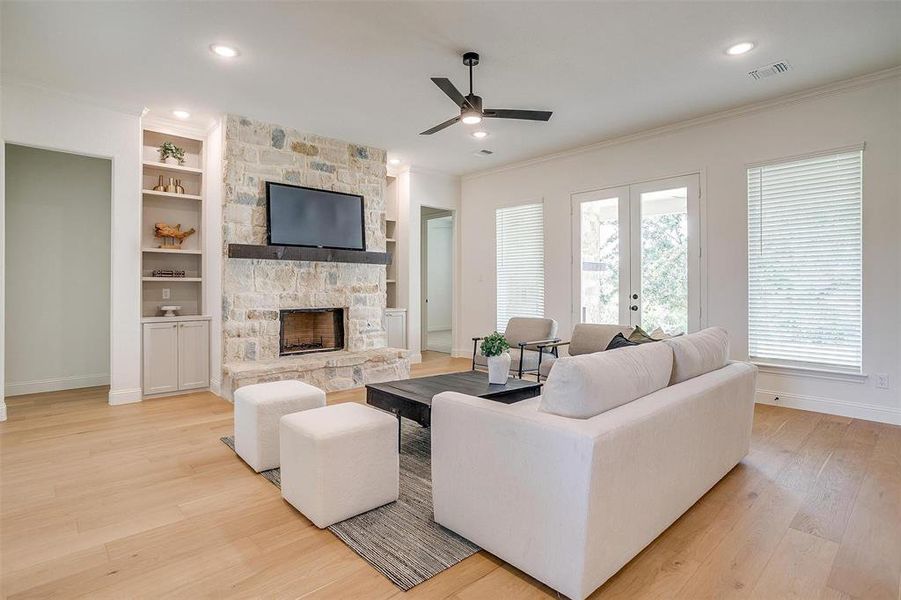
x=470 y=59
x=474 y=101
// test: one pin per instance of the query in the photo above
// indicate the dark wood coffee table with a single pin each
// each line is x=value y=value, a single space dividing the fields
x=412 y=398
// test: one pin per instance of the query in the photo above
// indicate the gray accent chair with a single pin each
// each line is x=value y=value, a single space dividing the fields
x=526 y=336
x=586 y=339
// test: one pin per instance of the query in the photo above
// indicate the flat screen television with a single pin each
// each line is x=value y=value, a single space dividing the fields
x=302 y=216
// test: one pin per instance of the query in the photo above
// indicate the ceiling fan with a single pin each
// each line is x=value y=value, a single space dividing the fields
x=470 y=106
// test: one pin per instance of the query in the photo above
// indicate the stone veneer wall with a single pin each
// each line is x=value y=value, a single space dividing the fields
x=254 y=290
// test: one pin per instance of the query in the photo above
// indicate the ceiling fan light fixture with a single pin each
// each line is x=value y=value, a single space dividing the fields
x=471 y=117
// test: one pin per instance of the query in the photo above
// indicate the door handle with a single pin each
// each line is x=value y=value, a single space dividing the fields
x=633 y=307
x=635 y=296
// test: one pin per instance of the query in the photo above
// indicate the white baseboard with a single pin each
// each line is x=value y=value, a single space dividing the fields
x=415 y=358
x=125 y=396
x=461 y=352
x=2 y=410
x=55 y=384
x=854 y=410
x=216 y=386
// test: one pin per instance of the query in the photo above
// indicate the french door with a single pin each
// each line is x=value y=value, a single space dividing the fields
x=636 y=255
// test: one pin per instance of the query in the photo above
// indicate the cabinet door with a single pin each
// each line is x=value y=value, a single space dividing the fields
x=193 y=355
x=396 y=327
x=160 y=358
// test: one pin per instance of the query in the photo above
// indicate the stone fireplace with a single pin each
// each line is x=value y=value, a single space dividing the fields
x=304 y=330
x=257 y=294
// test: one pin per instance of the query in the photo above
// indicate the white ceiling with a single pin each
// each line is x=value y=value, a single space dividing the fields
x=360 y=71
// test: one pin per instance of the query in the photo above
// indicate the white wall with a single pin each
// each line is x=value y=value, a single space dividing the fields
x=212 y=253
x=719 y=148
x=36 y=117
x=440 y=273
x=58 y=267
x=417 y=188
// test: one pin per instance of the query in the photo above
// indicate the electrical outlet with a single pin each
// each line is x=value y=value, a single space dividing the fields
x=166 y=294
x=882 y=381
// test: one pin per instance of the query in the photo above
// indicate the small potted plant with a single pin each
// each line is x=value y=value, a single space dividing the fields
x=494 y=347
x=169 y=150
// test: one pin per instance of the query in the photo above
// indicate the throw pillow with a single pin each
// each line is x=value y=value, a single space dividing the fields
x=639 y=336
x=620 y=341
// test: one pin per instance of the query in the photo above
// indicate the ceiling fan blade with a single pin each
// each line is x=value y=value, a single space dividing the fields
x=438 y=128
x=452 y=92
x=528 y=115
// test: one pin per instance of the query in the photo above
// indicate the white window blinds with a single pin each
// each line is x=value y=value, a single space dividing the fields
x=804 y=262
x=520 y=263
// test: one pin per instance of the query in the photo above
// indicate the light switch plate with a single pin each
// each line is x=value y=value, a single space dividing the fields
x=166 y=294
x=882 y=381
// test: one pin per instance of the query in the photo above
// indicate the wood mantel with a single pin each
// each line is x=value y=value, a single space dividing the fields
x=310 y=254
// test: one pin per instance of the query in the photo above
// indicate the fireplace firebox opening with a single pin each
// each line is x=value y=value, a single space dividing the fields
x=305 y=330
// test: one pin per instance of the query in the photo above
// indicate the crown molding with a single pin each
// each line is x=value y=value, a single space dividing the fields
x=732 y=113
x=128 y=109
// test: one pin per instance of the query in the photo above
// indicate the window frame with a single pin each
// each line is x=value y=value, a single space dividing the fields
x=512 y=205
x=825 y=371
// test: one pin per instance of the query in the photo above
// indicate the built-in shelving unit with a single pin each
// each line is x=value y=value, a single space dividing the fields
x=391 y=238
x=173 y=208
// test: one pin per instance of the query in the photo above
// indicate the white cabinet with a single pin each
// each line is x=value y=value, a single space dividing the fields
x=176 y=356
x=160 y=358
x=396 y=327
x=193 y=355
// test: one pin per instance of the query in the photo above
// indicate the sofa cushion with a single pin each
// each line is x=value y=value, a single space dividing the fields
x=620 y=341
x=584 y=386
x=698 y=353
x=594 y=337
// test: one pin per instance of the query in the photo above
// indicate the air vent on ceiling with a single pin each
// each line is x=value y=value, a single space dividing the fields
x=484 y=152
x=777 y=68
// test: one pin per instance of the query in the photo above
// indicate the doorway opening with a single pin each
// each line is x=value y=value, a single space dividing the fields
x=57 y=270
x=437 y=279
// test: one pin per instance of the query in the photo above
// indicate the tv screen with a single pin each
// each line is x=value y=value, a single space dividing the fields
x=300 y=216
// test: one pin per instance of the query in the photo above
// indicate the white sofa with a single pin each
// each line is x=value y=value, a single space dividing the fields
x=571 y=500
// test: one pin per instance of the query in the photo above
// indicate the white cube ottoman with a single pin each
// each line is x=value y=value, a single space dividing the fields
x=339 y=461
x=257 y=411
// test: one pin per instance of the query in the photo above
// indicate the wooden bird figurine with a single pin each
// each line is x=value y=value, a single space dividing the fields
x=172 y=235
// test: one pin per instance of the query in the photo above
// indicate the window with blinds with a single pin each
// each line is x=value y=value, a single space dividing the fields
x=804 y=262
x=520 y=262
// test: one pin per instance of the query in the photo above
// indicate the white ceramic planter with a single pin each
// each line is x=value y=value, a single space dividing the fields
x=499 y=368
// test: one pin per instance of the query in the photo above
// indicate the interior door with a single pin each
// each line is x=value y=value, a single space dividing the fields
x=636 y=255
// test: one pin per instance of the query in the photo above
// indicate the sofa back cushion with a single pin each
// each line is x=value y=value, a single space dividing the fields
x=698 y=353
x=594 y=337
x=583 y=386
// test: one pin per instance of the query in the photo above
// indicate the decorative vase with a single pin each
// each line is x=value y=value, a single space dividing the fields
x=170 y=188
x=499 y=368
x=178 y=187
x=159 y=187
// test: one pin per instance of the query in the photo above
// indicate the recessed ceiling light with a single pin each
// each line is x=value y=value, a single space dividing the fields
x=394 y=161
x=224 y=51
x=480 y=134
x=740 y=48
x=181 y=114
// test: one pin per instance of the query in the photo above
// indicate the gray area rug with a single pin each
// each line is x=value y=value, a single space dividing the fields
x=400 y=539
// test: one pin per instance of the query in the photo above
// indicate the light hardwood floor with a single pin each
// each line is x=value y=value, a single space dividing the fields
x=144 y=501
